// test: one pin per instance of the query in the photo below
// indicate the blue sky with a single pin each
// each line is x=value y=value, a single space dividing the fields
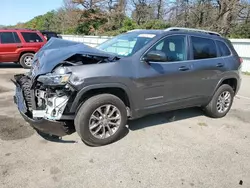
x=13 y=11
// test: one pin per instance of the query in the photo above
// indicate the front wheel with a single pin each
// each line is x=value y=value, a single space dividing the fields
x=221 y=102
x=101 y=120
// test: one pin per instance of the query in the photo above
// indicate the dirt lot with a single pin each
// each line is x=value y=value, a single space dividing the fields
x=177 y=149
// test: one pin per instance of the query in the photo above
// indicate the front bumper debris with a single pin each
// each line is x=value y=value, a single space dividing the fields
x=45 y=125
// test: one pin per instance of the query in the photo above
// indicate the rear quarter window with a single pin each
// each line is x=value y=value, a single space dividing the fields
x=31 y=37
x=203 y=48
x=223 y=49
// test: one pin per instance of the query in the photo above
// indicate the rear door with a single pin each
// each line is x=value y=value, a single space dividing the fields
x=9 y=46
x=32 y=41
x=207 y=65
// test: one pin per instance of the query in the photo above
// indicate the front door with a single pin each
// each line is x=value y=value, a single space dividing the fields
x=9 y=44
x=167 y=82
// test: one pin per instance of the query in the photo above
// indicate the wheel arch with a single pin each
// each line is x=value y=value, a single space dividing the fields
x=117 y=89
x=231 y=80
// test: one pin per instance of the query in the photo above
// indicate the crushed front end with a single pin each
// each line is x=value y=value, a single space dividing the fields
x=43 y=102
x=44 y=95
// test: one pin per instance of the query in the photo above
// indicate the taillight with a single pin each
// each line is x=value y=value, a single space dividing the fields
x=241 y=60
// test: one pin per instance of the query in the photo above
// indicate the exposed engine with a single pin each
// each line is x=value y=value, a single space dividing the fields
x=51 y=102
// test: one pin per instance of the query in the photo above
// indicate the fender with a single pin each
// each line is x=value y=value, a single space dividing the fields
x=228 y=75
x=80 y=93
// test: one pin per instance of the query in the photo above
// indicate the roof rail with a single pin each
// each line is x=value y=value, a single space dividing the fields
x=191 y=29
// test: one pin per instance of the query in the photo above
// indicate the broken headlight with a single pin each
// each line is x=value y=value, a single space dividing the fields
x=58 y=77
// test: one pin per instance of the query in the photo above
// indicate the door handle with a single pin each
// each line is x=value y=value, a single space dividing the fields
x=220 y=65
x=19 y=46
x=183 y=68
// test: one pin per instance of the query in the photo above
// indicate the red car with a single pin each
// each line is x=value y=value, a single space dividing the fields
x=20 y=45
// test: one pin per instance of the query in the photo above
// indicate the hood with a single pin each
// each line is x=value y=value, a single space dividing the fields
x=55 y=51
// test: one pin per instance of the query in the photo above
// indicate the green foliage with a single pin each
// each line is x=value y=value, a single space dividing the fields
x=155 y=24
x=241 y=31
x=42 y=22
x=91 y=20
x=128 y=24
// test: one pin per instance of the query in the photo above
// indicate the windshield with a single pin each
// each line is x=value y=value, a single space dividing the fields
x=126 y=44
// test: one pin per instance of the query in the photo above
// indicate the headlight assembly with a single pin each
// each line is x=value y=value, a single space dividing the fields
x=59 y=76
x=54 y=79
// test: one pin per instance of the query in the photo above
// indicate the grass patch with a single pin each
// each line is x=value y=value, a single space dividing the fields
x=246 y=73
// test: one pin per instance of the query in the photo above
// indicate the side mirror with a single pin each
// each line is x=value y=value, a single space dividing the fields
x=156 y=56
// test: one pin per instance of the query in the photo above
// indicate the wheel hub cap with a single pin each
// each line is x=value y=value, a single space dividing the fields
x=104 y=121
x=224 y=102
x=28 y=60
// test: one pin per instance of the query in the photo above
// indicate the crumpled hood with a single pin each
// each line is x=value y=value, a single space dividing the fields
x=57 y=50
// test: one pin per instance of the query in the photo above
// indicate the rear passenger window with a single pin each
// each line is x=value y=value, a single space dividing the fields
x=17 y=39
x=203 y=48
x=223 y=49
x=7 y=38
x=31 y=37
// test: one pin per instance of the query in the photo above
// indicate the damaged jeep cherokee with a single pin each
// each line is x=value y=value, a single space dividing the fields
x=93 y=91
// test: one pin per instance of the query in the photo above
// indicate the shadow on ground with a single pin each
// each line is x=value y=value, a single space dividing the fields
x=15 y=128
x=166 y=117
x=53 y=138
x=10 y=65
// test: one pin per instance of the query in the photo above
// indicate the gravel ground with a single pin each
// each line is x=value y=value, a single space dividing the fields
x=176 y=149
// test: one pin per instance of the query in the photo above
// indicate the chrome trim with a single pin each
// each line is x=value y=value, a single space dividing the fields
x=154 y=98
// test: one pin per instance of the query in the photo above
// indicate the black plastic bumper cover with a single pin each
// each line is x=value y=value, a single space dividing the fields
x=47 y=126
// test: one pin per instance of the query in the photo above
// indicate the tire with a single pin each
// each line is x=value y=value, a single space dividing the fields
x=84 y=114
x=26 y=60
x=211 y=109
x=26 y=88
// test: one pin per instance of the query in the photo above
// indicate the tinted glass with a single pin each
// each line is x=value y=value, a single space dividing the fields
x=17 y=39
x=174 y=48
x=203 y=48
x=31 y=37
x=223 y=49
x=7 y=38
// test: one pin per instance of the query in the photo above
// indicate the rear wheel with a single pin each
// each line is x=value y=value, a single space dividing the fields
x=221 y=102
x=26 y=60
x=101 y=120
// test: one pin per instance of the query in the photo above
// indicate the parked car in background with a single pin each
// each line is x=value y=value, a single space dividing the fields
x=72 y=86
x=20 y=45
x=48 y=34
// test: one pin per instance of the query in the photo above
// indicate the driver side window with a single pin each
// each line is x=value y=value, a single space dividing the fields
x=174 y=47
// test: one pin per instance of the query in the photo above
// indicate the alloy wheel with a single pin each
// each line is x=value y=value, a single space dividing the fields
x=224 y=101
x=105 y=121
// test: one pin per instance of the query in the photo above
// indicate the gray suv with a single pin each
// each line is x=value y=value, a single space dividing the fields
x=94 y=91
